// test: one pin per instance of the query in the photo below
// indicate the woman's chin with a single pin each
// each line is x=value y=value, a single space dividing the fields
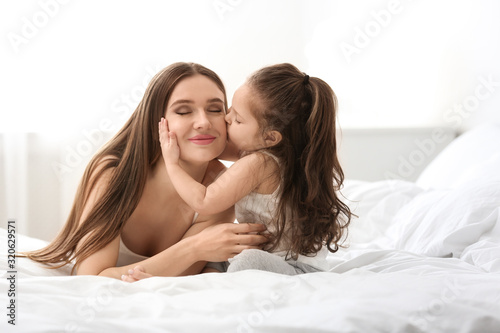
x=200 y=157
x=201 y=154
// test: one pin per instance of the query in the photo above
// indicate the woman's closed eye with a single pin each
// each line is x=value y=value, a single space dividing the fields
x=183 y=111
x=215 y=107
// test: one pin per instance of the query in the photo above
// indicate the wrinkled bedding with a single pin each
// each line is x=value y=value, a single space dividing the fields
x=417 y=261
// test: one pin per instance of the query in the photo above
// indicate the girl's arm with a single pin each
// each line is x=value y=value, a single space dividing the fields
x=239 y=180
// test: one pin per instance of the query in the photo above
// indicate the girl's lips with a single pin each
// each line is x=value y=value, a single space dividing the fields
x=202 y=139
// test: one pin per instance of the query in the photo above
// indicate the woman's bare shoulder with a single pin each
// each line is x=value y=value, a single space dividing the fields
x=106 y=161
x=101 y=169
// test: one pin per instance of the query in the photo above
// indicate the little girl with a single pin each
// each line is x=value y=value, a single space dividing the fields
x=282 y=126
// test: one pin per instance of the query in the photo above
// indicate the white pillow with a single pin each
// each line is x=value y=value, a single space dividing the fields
x=375 y=204
x=473 y=156
x=442 y=223
x=24 y=266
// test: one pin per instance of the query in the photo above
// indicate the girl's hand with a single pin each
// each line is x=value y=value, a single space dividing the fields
x=168 y=142
x=136 y=274
x=223 y=241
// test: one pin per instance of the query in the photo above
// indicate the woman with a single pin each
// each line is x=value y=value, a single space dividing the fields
x=126 y=203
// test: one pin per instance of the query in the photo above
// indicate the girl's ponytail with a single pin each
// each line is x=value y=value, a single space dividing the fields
x=321 y=127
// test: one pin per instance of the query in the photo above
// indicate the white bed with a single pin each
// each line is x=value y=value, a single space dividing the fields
x=423 y=257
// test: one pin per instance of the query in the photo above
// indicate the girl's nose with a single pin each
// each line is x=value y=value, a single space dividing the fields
x=228 y=118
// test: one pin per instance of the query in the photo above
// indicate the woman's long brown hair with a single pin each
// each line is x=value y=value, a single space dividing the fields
x=303 y=109
x=130 y=154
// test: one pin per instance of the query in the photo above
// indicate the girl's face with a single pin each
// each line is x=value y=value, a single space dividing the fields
x=243 y=129
x=195 y=113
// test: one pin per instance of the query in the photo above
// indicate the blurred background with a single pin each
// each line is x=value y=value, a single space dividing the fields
x=409 y=76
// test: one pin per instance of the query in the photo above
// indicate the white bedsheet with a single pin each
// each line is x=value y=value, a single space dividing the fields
x=418 y=261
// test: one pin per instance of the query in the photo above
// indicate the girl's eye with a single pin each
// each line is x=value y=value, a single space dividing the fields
x=237 y=121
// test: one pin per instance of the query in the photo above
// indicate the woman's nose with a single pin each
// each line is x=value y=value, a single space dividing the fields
x=202 y=120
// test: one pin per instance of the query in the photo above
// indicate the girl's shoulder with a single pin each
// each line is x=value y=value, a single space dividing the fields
x=266 y=168
x=261 y=156
x=262 y=160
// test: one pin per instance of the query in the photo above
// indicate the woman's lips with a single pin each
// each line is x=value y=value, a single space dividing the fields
x=202 y=139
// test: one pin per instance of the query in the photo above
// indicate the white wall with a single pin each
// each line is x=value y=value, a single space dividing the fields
x=393 y=63
x=374 y=154
x=73 y=71
x=410 y=63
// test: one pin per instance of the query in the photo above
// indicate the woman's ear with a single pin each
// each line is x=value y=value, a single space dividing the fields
x=272 y=138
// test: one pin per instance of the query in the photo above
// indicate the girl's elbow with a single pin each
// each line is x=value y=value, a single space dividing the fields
x=203 y=210
x=202 y=207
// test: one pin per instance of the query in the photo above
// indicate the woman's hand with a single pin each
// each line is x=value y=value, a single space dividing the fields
x=168 y=142
x=136 y=274
x=223 y=241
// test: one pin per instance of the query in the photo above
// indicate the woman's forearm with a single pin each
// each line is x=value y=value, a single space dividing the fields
x=181 y=258
x=213 y=243
x=186 y=257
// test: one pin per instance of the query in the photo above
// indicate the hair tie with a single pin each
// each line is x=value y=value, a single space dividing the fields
x=306 y=79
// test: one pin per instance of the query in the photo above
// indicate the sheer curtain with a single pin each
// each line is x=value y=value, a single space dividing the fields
x=13 y=178
x=73 y=72
x=37 y=183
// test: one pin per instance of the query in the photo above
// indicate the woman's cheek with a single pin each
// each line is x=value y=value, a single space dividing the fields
x=223 y=127
x=175 y=126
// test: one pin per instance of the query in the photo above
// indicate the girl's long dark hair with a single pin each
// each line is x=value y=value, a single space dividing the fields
x=130 y=154
x=303 y=109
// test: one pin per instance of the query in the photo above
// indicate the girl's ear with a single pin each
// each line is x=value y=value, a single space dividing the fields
x=272 y=138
